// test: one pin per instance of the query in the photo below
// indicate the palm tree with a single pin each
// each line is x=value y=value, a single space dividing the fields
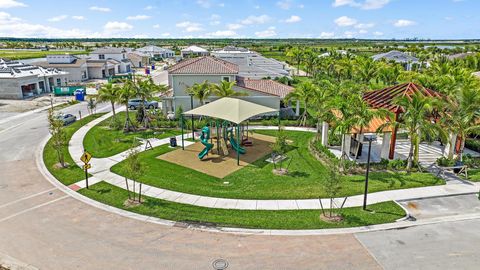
x=225 y=89
x=461 y=113
x=109 y=93
x=310 y=58
x=127 y=92
x=366 y=69
x=146 y=90
x=302 y=93
x=322 y=102
x=296 y=54
x=200 y=91
x=416 y=120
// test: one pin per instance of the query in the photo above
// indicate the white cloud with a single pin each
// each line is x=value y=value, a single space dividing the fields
x=221 y=5
x=349 y=34
x=58 y=18
x=101 y=9
x=364 y=25
x=377 y=33
x=189 y=26
x=214 y=22
x=362 y=31
x=284 y=4
x=11 y=4
x=403 y=23
x=166 y=34
x=224 y=33
x=215 y=19
x=204 y=3
x=256 y=7
x=327 y=35
x=367 y=4
x=149 y=7
x=234 y=26
x=345 y=21
x=256 y=19
x=156 y=26
x=293 y=19
x=270 y=32
x=138 y=17
x=116 y=27
x=78 y=18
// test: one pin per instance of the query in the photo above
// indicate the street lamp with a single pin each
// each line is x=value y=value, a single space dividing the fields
x=191 y=108
x=369 y=139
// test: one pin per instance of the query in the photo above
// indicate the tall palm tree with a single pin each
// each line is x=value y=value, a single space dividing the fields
x=366 y=69
x=127 y=92
x=310 y=58
x=302 y=93
x=416 y=120
x=296 y=54
x=225 y=89
x=146 y=90
x=322 y=103
x=200 y=91
x=109 y=93
x=461 y=113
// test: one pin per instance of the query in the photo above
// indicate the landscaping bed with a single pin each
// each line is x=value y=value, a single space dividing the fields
x=305 y=179
x=72 y=173
x=385 y=212
x=102 y=141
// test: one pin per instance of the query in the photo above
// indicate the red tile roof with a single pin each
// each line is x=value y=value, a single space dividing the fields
x=204 y=65
x=384 y=98
x=265 y=86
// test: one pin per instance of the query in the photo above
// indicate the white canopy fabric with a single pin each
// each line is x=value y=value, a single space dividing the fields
x=231 y=109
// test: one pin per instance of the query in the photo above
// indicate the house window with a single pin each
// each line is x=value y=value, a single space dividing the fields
x=101 y=56
x=227 y=79
x=118 y=69
x=59 y=82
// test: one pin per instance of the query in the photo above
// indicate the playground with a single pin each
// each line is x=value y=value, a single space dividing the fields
x=216 y=164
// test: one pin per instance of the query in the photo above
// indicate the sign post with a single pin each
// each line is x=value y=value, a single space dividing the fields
x=86 y=156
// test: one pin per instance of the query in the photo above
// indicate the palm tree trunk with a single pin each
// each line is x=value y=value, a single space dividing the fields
x=113 y=107
x=410 y=155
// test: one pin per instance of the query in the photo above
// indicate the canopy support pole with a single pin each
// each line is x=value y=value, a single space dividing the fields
x=238 y=143
x=181 y=124
x=218 y=137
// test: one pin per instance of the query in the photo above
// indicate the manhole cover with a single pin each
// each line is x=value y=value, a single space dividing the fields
x=220 y=264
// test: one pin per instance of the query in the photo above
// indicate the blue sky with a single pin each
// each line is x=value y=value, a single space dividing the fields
x=436 y=19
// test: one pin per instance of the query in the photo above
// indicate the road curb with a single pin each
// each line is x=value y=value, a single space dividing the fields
x=14 y=264
x=380 y=227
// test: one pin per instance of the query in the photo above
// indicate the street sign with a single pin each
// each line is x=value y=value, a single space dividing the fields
x=87 y=166
x=86 y=156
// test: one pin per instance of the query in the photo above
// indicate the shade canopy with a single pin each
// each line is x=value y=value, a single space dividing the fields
x=231 y=109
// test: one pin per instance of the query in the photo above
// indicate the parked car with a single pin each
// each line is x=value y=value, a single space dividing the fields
x=67 y=119
x=133 y=104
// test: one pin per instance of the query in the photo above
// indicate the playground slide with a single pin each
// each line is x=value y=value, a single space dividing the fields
x=235 y=146
x=204 y=140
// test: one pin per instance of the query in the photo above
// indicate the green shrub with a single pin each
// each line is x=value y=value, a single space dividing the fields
x=445 y=162
x=397 y=164
x=473 y=144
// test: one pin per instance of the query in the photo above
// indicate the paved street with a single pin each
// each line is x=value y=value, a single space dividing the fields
x=43 y=227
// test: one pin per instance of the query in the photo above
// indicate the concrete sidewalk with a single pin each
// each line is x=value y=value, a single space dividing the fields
x=101 y=172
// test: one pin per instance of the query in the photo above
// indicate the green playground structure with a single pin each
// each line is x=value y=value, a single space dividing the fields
x=233 y=142
x=204 y=140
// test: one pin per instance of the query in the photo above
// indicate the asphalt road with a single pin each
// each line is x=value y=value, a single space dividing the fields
x=43 y=227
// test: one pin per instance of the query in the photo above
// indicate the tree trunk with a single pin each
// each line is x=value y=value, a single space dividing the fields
x=410 y=155
x=462 y=147
x=113 y=107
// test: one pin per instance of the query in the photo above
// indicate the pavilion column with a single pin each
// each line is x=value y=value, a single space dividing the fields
x=347 y=143
x=393 y=141
x=297 y=108
x=449 y=149
x=325 y=133
x=385 y=145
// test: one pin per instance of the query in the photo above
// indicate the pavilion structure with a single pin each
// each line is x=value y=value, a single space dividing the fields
x=384 y=99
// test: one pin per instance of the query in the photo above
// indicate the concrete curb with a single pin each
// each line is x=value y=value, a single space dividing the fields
x=14 y=264
x=229 y=230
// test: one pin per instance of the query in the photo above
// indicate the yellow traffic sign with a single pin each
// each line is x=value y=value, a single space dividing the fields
x=86 y=156
x=87 y=166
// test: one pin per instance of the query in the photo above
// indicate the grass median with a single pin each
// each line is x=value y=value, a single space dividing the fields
x=385 y=212
x=256 y=181
x=72 y=173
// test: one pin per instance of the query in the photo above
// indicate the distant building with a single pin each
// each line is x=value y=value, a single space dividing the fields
x=139 y=59
x=156 y=52
x=460 y=55
x=193 y=51
x=19 y=80
x=214 y=70
x=112 y=57
x=76 y=67
x=251 y=64
x=406 y=60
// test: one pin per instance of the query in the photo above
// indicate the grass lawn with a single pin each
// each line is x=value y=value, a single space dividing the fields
x=473 y=175
x=73 y=173
x=257 y=181
x=289 y=219
x=101 y=141
x=26 y=54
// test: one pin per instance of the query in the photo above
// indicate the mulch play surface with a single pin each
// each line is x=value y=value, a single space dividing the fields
x=219 y=165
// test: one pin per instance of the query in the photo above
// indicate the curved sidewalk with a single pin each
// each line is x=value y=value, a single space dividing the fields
x=101 y=172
